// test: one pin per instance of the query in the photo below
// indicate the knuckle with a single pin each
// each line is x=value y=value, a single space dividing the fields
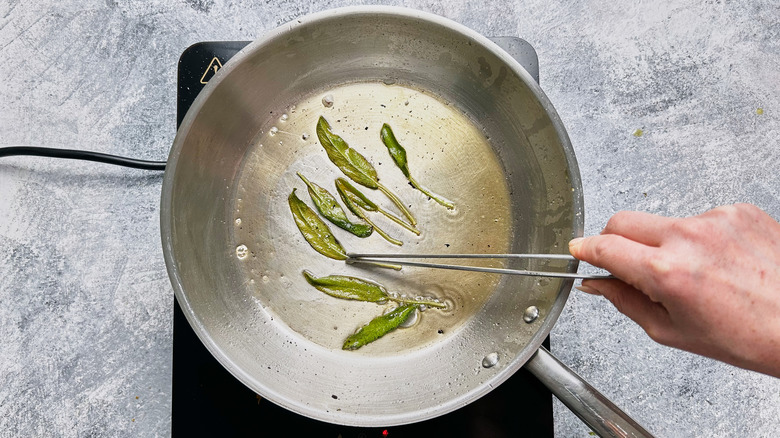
x=723 y=210
x=616 y=221
x=748 y=211
x=601 y=247
x=727 y=213
x=672 y=275
x=667 y=272
x=733 y=213
x=660 y=265
x=694 y=228
x=657 y=333
x=680 y=227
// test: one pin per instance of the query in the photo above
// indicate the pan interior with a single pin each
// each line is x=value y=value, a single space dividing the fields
x=506 y=159
x=445 y=151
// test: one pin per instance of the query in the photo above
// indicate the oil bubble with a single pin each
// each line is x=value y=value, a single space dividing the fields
x=242 y=252
x=490 y=360
x=411 y=320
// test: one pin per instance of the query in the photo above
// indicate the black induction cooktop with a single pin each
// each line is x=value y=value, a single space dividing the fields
x=209 y=402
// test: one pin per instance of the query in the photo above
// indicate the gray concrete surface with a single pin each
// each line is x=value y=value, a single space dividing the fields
x=85 y=302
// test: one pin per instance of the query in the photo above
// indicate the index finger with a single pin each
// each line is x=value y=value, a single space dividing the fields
x=624 y=258
x=638 y=226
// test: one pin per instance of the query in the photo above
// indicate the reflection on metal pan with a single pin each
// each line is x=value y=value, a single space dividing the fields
x=478 y=130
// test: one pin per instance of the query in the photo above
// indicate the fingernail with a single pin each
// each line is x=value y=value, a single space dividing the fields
x=588 y=290
x=575 y=243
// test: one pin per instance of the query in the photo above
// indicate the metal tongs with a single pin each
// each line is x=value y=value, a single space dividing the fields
x=393 y=259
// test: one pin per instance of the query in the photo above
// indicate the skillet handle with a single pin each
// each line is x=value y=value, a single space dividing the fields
x=603 y=417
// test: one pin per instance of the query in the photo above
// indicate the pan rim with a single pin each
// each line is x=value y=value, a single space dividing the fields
x=167 y=220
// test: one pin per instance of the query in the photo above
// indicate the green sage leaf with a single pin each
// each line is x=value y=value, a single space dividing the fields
x=350 y=161
x=398 y=153
x=330 y=209
x=355 y=197
x=314 y=230
x=348 y=288
x=355 y=165
x=379 y=327
x=356 y=202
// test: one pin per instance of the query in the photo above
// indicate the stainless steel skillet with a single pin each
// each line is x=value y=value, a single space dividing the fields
x=483 y=133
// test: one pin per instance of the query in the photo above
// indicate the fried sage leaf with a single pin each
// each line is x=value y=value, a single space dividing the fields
x=314 y=230
x=348 y=288
x=363 y=216
x=398 y=153
x=379 y=327
x=330 y=209
x=356 y=202
x=348 y=192
x=354 y=288
x=350 y=161
x=355 y=165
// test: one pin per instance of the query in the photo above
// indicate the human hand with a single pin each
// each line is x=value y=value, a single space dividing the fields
x=708 y=284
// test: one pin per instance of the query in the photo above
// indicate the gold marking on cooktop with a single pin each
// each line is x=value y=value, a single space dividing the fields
x=212 y=69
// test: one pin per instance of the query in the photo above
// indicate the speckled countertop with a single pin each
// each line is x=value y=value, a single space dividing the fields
x=672 y=107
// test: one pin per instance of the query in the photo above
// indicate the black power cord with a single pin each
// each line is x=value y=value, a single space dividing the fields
x=81 y=155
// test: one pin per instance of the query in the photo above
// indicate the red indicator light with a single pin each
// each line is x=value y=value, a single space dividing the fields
x=385 y=433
